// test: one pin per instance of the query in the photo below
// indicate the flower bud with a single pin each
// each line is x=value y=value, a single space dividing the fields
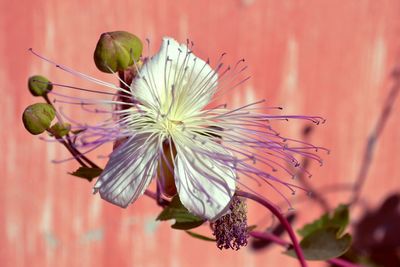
x=39 y=85
x=114 y=51
x=37 y=118
x=60 y=129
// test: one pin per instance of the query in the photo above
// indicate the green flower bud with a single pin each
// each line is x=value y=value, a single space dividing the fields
x=39 y=85
x=37 y=118
x=114 y=51
x=60 y=129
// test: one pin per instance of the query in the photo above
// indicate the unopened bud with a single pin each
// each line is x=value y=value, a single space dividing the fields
x=37 y=118
x=39 y=85
x=60 y=129
x=116 y=51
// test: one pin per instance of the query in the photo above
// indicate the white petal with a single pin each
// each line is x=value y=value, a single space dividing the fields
x=205 y=185
x=174 y=66
x=129 y=170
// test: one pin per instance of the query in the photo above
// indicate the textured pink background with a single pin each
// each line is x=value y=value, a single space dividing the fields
x=331 y=58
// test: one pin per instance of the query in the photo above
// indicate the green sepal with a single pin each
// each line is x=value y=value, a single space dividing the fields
x=184 y=220
x=60 y=129
x=37 y=118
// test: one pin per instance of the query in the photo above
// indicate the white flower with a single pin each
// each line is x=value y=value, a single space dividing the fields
x=171 y=90
x=175 y=127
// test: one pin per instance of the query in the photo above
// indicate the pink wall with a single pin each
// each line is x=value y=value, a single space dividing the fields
x=329 y=58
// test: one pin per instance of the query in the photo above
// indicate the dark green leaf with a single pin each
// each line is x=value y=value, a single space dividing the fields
x=87 y=173
x=199 y=236
x=314 y=226
x=184 y=220
x=339 y=220
x=186 y=225
x=323 y=244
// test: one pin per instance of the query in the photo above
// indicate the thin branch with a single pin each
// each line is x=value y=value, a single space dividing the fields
x=73 y=153
x=375 y=134
x=68 y=144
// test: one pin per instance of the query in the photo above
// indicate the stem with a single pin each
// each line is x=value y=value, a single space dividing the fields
x=76 y=156
x=80 y=155
x=283 y=243
x=150 y=194
x=269 y=237
x=375 y=134
x=282 y=220
x=69 y=145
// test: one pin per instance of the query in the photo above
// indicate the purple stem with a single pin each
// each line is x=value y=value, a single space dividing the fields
x=150 y=194
x=277 y=240
x=282 y=220
x=269 y=237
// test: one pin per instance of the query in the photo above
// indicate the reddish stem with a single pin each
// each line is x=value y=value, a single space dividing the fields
x=282 y=220
x=269 y=236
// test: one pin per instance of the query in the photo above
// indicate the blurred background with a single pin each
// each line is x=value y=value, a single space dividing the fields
x=335 y=59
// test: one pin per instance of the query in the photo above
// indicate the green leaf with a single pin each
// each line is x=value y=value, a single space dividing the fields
x=323 y=239
x=201 y=237
x=339 y=220
x=186 y=225
x=315 y=225
x=323 y=244
x=87 y=173
x=184 y=220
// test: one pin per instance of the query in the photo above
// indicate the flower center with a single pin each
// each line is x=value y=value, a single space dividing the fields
x=170 y=126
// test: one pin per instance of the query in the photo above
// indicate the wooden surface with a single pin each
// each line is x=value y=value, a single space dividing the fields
x=320 y=57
